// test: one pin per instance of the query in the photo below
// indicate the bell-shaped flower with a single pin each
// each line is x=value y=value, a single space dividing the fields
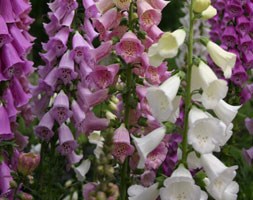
x=121 y=144
x=163 y=102
x=148 y=16
x=44 y=129
x=158 y=4
x=200 y=5
x=81 y=48
x=72 y=159
x=7 y=12
x=180 y=185
x=206 y=133
x=219 y=184
x=214 y=89
x=102 y=76
x=5 y=129
x=225 y=111
x=60 y=110
x=129 y=47
x=89 y=30
x=20 y=96
x=82 y=169
x=67 y=143
x=167 y=47
x=138 y=192
x=209 y=13
x=148 y=143
x=223 y=59
x=5 y=37
x=66 y=71
x=249 y=124
x=9 y=103
x=123 y=5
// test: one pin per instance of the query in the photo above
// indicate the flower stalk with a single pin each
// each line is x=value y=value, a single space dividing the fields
x=187 y=98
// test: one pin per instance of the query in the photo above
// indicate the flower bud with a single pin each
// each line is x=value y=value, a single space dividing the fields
x=101 y=196
x=27 y=163
x=200 y=5
x=25 y=196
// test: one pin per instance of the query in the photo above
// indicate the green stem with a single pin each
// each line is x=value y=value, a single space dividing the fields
x=187 y=99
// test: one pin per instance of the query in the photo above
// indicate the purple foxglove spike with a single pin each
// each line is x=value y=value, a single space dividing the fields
x=73 y=158
x=148 y=15
x=156 y=157
x=249 y=125
x=9 y=103
x=121 y=144
x=5 y=129
x=248 y=155
x=50 y=82
x=11 y=61
x=78 y=115
x=93 y=123
x=60 y=111
x=102 y=76
x=6 y=11
x=67 y=142
x=239 y=75
x=154 y=32
x=44 y=129
x=105 y=22
x=129 y=47
x=21 y=44
x=247 y=58
x=229 y=37
x=245 y=43
x=234 y=9
x=90 y=99
x=242 y=25
x=84 y=69
x=102 y=51
x=5 y=37
x=81 y=48
x=21 y=98
x=21 y=7
x=21 y=140
x=66 y=71
x=5 y=179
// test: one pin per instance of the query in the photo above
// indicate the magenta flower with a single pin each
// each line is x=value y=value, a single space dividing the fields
x=66 y=140
x=9 y=104
x=121 y=145
x=129 y=47
x=78 y=115
x=249 y=125
x=28 y=162
x=5 y=179
x=60 y=111
x=44 y=129
x=73 y=158
x=248 y=155
x=5 y=37
x=148 y=178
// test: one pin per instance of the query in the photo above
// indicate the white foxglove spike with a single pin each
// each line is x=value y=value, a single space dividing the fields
x=225 y=60
x=219 y=183
x=206 y=133
x=148 y=143
x=163 y=101
x=138 y=192
x=82 y=169
x=181 y=186
x=225 y=111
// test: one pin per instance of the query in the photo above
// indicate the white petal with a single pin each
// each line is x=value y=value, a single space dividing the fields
x=82 y=169
x=150 y=193
x=135 y=190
